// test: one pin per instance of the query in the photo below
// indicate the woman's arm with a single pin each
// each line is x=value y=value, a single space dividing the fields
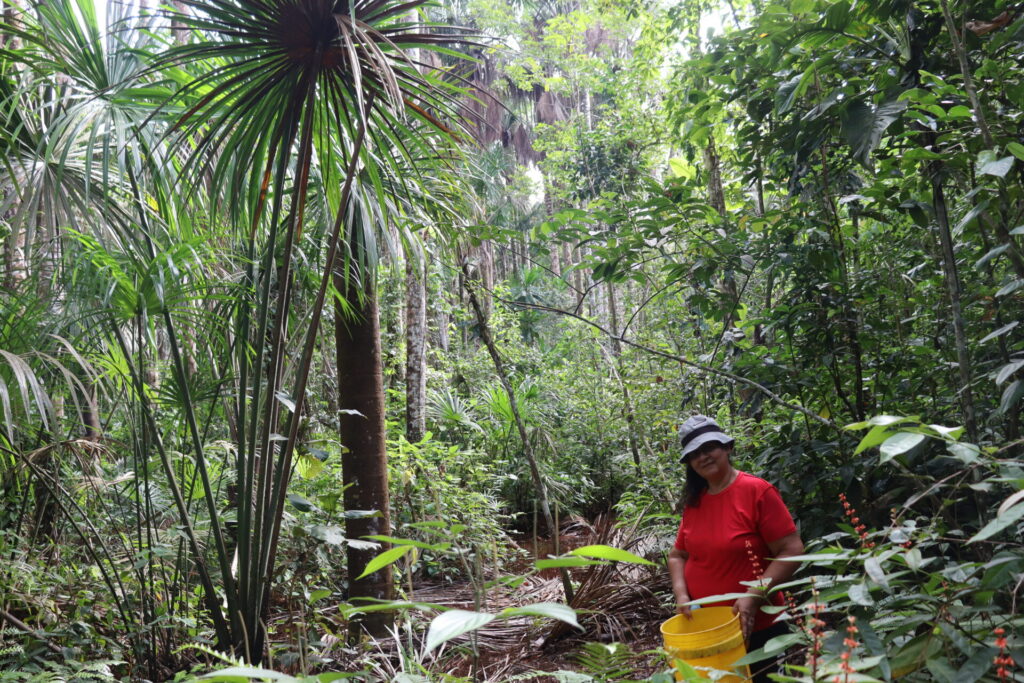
x=676 y=563
x=778 y=571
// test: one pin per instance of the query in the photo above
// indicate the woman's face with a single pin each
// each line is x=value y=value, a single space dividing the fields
x=711 y=460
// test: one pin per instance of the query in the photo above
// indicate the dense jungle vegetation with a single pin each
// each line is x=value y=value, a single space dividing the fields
x=350 y=339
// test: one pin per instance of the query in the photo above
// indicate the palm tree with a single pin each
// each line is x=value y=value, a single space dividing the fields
x=296 y=89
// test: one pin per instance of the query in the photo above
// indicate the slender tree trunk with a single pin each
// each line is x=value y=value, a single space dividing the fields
x=713 y=167
x=499 y=367
x=364 y=460
x=415 y=348
x=953 y=289
x=627 y=402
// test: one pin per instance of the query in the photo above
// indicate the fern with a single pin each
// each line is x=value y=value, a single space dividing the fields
x=606 y=662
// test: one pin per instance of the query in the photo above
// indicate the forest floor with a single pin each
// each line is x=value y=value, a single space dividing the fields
x=614 y=603
x=524 y=647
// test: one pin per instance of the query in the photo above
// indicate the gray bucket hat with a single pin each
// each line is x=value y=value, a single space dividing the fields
x=699 y=430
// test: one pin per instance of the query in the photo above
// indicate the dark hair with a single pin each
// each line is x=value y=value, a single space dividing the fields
x=695 y=487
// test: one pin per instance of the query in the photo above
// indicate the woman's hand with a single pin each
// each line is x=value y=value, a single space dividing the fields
x=682 y=607
x=747 y=607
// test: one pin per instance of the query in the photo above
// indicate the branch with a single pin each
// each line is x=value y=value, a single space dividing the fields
x=22 y=626
x=680 y=359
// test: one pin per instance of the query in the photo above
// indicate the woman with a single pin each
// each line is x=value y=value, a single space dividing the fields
x=733 y=522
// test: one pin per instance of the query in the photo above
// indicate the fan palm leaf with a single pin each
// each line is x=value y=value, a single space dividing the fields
x=294 y=95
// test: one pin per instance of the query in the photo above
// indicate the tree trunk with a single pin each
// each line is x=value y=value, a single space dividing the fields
x=953 y=288
x=499 y=368
x=364 y=460
x=627 y=403
x=415 y=348
x=713 y=167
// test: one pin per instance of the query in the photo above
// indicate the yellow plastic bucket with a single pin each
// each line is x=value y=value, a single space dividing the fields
x=711 y=638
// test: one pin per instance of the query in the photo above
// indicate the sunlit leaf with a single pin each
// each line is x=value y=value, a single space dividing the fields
x=1011 y=395
x=1010 y=502
x=997 y=167
x=300 y=503
x=330 y=535
x=551 y=610
x=967 y=453
x=384 y=559
x=860 y=594
x=604 y=552
x=898 y=444
x=454 y=623
x=874 y=569
x=559 y=562
x=1007 y=370
x=1004 y=519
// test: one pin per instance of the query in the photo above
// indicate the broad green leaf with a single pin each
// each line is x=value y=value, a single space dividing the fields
x=772 y=647
x=899 y=443
x=362 y=545
x=605 y=552
x=912 y=655
x=558 y=562
x=959 y=112
x=307 y=466
x=286 y=401
x=1011 y=501
x=1010 y=287
x=874 y=569
x=860 y=594
x=301 y=504
x=406 y=541
x=384 y=559
x=1007 y=370
x=998 y=167
x=1011 y=395
x=1016 y=149
x=687 y=672
x=970 y=216
x=991 y=254
x=913 y=558
x=967 y=453
x=940 y=670
x=801 y=6
x=331 y=535
x=245 y=673
x=318 y=594
x=360 y=514
x=681 y=168
x=454 y=623
x=374 y=605
x=876 y=436
x=946 y=432
x=879 y=420
x=977 y=664
x=551 y=610
x=819 y=557
x=1002 y=520
x=724 y=597
x=786 y=93
x=837 y=16
x=863 y=125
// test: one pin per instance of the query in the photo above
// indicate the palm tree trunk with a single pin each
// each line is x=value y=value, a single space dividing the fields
x=364 y=460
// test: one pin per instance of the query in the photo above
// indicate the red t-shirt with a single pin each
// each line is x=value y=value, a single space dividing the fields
x=717 y=533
